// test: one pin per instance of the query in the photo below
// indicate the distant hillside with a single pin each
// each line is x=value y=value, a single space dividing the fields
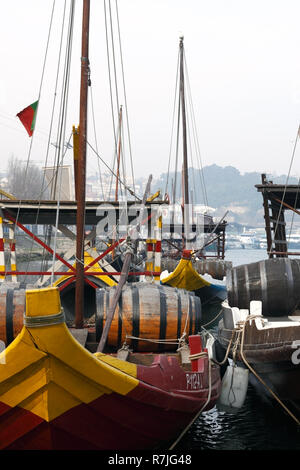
x=226 y=189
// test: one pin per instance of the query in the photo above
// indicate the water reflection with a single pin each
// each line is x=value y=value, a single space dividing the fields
x=259 y=425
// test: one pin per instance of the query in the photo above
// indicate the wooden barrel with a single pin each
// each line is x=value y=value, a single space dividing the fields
x=276 y=282
x=148 y=311
x=216 y=268
x=12 y=309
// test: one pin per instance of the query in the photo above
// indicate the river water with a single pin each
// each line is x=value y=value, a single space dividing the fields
x=260 y=425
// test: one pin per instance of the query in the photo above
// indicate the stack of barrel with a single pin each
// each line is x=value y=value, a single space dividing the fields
x=276 y=282
x=216 y=268
x=155 y=316
x=12 y=309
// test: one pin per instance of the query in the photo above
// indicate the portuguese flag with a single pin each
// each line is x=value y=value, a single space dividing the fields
x=27 y=117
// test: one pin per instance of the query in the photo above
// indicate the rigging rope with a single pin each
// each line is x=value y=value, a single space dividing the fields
x=191 y=156
x=173 y=122
x=193 y=143
x=122 y=182
x=125 y=96
x=176 y=159
x=123 y=162
x=109 y=72
x=296 y=199
x=96 y=142
x=285 y=187
x=115 y=79
x=295 y=205
x=193 y=120
x=44 y=264
x=239 y=333
x=201 y=409
x=258 y=376
x=57 y=217
x=31 y=140
x=53 y=180
x=63 y=118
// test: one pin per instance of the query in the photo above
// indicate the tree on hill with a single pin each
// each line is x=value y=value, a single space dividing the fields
x=226 y=188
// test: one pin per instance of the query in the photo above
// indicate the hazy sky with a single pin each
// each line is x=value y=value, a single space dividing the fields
x=244 y=70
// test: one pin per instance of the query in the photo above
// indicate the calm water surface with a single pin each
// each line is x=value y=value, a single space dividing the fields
x=260 y=424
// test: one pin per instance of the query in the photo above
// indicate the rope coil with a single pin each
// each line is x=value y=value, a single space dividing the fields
x=47 y=320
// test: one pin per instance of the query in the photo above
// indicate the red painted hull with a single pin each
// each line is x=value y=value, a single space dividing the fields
x=145 y=418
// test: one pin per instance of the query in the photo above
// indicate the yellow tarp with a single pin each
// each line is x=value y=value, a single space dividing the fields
x=185 y=277
x=95 y=268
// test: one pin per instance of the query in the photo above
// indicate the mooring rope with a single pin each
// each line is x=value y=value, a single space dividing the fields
x=211 y=321
x=200 y=411
x=163 y=341
x=240 y=331
x=285 y=187
x=260 y=379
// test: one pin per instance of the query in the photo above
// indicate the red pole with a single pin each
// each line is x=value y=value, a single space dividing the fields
x=40 y=242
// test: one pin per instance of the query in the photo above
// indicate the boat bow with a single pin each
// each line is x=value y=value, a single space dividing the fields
x=54 y=394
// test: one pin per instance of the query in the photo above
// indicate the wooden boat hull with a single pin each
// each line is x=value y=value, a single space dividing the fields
x=270 y=349
x=56 y=395
x=281 y=377
x=143 y=419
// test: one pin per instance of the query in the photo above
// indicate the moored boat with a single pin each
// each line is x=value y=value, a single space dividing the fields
x=210 y=293
x=57 y=395
x=54 y=394
x=260 y=328
x=194 y=239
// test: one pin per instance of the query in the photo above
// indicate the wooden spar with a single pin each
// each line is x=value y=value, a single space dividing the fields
x=71 y=273
x=267 y=220
x=185 y=189
x=123 y=279
x=112 y=307
x=285 y=204
x=75 y=156
x=81 y=176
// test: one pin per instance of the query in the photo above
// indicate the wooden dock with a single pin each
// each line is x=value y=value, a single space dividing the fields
x=277 y=199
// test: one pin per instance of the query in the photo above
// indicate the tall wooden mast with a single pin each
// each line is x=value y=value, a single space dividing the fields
x=185 y=189
x=81 y=175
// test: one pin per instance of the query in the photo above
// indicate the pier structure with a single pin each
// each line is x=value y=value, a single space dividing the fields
x=277 y=199
x=7 y=245
x=98 y=216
